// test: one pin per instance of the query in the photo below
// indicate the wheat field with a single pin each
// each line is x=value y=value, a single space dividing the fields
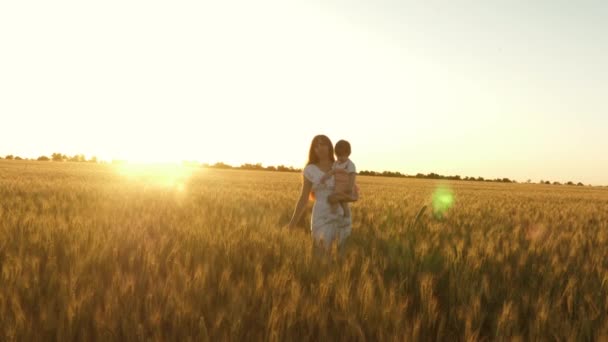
x=93 y=252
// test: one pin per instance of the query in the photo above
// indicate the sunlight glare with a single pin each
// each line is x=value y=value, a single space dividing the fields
x=166 y=175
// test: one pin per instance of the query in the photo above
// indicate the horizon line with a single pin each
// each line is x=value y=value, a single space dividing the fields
x=291 y=168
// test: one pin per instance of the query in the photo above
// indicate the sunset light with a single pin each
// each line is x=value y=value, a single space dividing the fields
x=295 y=170
x=492 y=89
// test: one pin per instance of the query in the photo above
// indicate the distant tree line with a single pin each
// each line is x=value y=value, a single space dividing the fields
x=433 y=175
x=58 y=157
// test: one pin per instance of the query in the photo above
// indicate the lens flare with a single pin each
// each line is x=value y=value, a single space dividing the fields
x=443 y=200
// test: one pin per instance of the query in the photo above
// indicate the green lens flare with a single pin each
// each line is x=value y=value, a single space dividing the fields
x=443 y=200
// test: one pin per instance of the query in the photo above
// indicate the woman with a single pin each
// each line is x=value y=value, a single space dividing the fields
x=326 y=227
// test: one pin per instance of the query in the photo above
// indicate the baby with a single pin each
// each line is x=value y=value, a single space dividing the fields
x=344 y=173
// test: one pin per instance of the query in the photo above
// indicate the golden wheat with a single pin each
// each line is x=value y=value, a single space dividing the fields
x=97 y=252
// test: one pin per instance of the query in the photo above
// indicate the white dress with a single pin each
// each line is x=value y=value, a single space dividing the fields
x=325 y=226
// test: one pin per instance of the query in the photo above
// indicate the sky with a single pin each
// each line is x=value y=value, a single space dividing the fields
x=511 y=89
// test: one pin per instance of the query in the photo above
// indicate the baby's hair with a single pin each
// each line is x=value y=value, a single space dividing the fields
x=342 y=148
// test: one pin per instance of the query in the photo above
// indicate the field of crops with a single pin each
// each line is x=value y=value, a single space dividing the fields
x=105 y=252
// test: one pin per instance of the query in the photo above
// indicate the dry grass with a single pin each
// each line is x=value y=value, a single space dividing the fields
x=91 y=253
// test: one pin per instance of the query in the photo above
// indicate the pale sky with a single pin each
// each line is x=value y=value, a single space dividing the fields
x=478 y=88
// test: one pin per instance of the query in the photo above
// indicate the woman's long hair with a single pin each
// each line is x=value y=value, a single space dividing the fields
x=312 y=156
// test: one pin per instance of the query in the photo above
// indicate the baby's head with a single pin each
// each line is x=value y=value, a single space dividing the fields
x=342 y=150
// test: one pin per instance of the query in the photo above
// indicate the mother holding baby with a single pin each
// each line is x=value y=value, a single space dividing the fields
x=331 y=221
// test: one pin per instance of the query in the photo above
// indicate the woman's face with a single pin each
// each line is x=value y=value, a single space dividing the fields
x=322 y=149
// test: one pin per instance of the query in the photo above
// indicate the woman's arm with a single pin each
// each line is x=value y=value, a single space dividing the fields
x=302 y=202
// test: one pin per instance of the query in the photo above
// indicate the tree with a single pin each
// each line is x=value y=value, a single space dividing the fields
x=18 y=158
x=433 y=175
x=580 y=184
x=247 y=166
x=9 y=157
x=57 y=157
x=76 y=158
x=43 y=158
x=93 y=159
x=557 y=183
x=220 y=165
x=570 y=183
x=391 y=174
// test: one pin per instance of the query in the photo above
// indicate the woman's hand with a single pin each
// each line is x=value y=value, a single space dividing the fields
x=302 y=202
x=325 y=177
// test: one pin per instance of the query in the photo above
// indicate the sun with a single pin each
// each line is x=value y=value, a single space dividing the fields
x=151 y=159
x=167 y=175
